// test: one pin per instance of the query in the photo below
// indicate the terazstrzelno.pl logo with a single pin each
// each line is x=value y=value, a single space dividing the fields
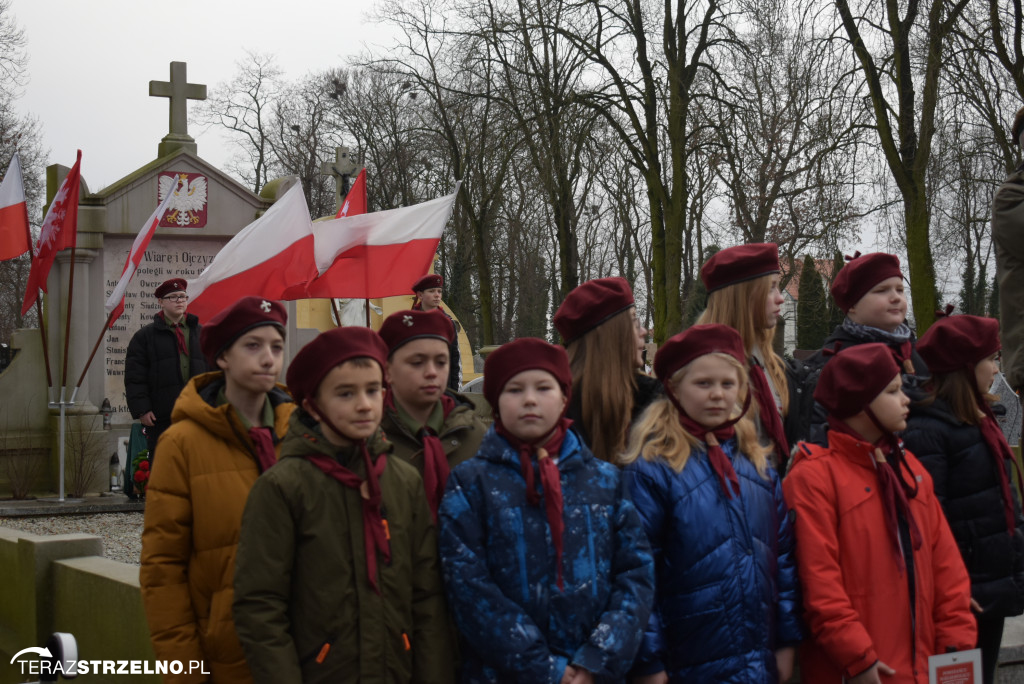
x=60 y=659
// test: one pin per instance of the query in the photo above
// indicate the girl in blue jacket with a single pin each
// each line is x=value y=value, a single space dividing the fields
x=546 y=567
x=726 y=599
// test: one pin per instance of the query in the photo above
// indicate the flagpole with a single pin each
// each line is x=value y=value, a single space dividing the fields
x=337 y=312
x=67 y=325
x=39 y=312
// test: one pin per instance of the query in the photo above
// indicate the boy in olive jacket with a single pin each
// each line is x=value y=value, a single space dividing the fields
x=338 y=578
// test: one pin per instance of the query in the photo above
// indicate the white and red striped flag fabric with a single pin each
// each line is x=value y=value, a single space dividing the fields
x=379 y=254
x=115 y=302
x=355 y=201
x=59 y=231
x=14 y=231
x=272 y=258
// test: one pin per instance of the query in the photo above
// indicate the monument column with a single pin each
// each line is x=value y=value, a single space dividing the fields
x=86 y=309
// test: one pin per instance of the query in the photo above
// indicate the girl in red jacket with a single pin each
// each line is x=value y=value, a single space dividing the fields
x=884 y=585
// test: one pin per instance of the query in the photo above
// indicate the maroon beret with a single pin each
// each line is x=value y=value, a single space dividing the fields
x=860 y=274
x=406 y=326
x=739 y=264
x=854 y=377
x=590 y=305
x=526 y=353
x=695 y=341
x=956 y=342
x=169 y=286
x=236 y=320
x=327 y=350
x=427 y=282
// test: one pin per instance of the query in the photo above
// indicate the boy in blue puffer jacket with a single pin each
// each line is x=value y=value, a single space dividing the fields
x=547 y=570
x=727 y=603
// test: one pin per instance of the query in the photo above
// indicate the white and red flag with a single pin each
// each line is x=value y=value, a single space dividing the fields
x=379 y=254
x=272 y=258
x=14 y=231
x=59 y=231
x=115 y=302
x=355 y=201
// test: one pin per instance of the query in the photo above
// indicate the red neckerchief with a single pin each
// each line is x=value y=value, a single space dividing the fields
x=713 y=438
x=375 y=527
x=550 y=481
x=1000 y=452
x=893 y=489
x=263 y=440
x=435 y=461
x=178 y=334
x=769 y=412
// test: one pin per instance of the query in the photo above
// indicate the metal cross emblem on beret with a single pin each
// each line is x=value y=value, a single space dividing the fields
x=407 y=320
x=265 y=305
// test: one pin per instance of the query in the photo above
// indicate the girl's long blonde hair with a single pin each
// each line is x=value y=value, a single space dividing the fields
x=603 y=372
x=741 y=307
x=658 y=434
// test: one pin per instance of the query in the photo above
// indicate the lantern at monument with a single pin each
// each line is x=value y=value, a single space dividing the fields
x=106 y=409
x=115 y=473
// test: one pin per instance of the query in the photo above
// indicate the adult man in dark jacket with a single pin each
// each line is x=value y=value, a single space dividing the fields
x=161 y=358
x=1008 y=237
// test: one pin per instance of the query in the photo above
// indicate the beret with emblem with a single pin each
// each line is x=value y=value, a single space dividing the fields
x=860 y=274
x=170 y=286
x=238 y=319
x=328 y=350
x=427 y=282
x=853 y=377
x=697 y=340
x=406 y=326
x=590 y=305
x=526 y=353
x=956 y=342
x=739 y=264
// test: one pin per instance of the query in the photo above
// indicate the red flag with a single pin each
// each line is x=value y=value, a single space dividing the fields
x=373 y=255
x=60 y=230
x=355 y=200
x=14 y=232
x=115 y=303
x=272 y=258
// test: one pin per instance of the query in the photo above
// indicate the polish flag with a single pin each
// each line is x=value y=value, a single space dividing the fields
x=14 y=231
x=355 y=200
x=115 y=302
x=272 y=258
x=59 y=231
x=378 y=255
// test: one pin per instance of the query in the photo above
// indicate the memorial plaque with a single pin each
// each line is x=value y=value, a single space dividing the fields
x=166 y=258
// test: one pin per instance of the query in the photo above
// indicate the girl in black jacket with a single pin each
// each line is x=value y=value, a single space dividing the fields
x=954 y=434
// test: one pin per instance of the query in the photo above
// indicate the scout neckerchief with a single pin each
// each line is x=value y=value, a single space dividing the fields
x=550 y=483
x=435 y=461
x=375 y=531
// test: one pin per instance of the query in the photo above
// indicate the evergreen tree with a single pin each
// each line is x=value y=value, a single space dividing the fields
x=812 y=314
x=835 y=314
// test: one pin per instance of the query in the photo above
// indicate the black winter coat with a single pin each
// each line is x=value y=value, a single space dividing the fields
x=152 y=373
x=967 y=486
x=807 y=420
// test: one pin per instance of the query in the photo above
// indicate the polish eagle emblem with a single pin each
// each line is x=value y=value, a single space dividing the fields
x=189 y=199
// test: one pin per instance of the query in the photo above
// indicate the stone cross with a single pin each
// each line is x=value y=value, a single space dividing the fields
x=179 y=91
x=342 y=168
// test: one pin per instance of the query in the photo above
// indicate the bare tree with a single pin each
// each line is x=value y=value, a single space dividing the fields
x=899 y=51
x=244 y=106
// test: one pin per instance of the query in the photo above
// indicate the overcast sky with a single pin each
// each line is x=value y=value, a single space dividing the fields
x=90 y=63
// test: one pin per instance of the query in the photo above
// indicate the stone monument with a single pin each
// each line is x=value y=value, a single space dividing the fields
x=209 y=209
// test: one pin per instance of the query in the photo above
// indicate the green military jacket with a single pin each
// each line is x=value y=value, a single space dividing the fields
x=460 y=434
x=304 y=608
